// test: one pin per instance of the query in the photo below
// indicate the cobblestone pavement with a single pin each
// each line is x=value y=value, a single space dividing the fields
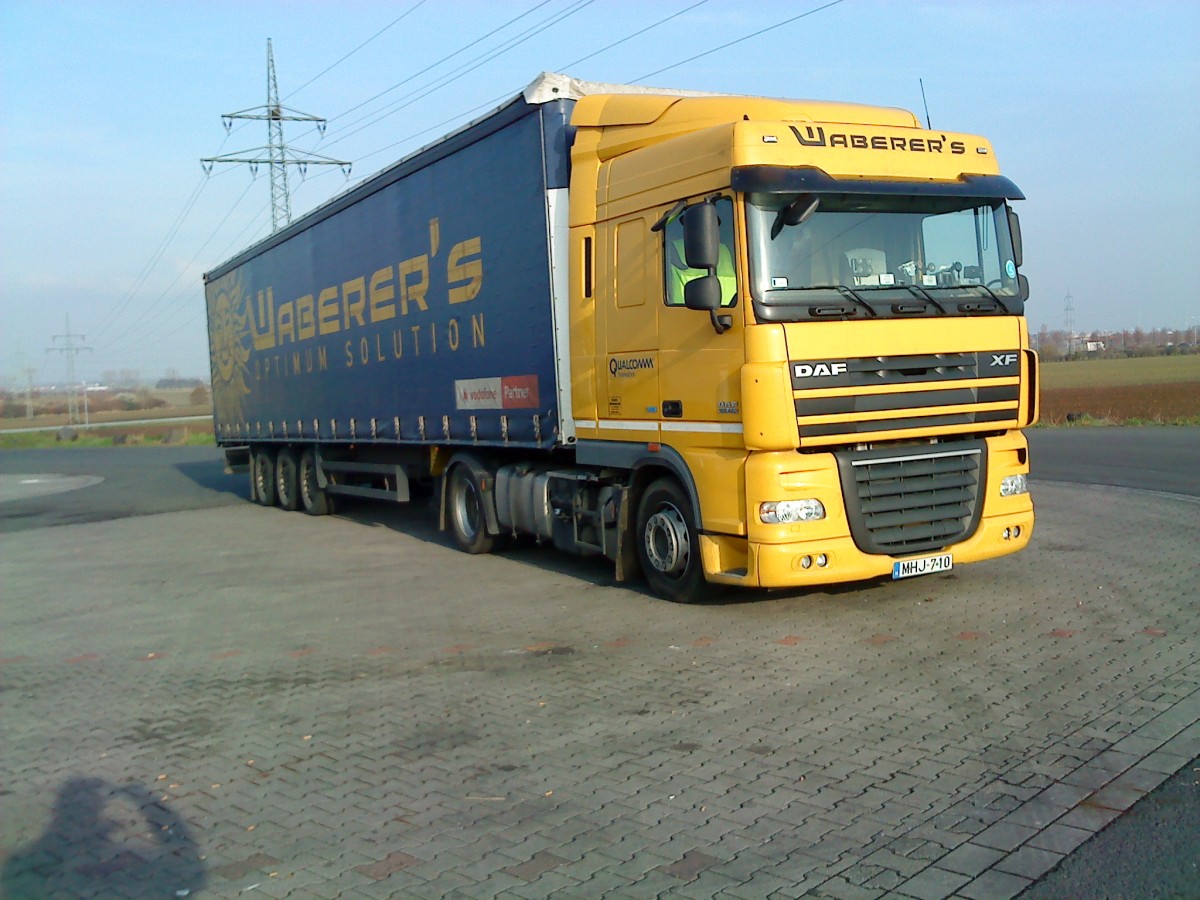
x=239 y=699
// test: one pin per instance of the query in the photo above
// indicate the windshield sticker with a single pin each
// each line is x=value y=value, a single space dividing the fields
x=887 y=278
x=1010 y=270
x=929 y=280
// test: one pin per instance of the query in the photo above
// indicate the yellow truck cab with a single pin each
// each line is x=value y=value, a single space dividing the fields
x=846 y=393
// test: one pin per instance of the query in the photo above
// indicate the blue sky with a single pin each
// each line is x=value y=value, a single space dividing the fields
x=107 y=107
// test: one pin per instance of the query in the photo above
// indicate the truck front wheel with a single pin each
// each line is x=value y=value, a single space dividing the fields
x=262 y=476
x=465 y=506
x=668 y=548
x=313 y=498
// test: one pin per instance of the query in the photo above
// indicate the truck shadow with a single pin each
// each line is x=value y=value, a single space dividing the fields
x=210 y=475
x=107 y=840
x=419 y=520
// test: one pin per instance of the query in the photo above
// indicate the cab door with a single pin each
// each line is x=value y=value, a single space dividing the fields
x=700 y=370
x=628 y=364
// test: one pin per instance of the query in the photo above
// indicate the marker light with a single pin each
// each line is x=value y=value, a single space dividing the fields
x=780 y=512
x=1013 y=485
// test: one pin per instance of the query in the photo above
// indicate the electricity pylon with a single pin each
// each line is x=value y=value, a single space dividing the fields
x=279 y=154
x=71 y=350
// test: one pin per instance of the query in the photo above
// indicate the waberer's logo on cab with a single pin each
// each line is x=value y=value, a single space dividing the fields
x=815 y=136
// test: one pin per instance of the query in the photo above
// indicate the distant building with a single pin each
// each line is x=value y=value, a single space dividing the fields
x=1094 y=346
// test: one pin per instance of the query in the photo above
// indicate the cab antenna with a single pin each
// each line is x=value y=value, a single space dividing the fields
x=921 y=81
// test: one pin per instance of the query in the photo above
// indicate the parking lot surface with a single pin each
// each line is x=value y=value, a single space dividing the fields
x=237 y=699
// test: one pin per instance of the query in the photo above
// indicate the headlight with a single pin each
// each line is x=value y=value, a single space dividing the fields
x=780 y=512
x=1013 y=485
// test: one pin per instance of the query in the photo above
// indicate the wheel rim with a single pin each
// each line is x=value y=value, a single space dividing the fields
x=466 y=508
x=281 y=482
x=668 y=546
x=306 y=487
x=260 y=477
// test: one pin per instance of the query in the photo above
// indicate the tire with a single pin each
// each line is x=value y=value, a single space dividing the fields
x=667 y=543
x=287 y=485
x=465 y=510
x=312 y=497
x=262 y=476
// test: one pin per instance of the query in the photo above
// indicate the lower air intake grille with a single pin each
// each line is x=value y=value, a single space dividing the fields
x=913 y=500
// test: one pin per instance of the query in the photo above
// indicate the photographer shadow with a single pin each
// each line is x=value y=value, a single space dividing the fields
x=107 y=840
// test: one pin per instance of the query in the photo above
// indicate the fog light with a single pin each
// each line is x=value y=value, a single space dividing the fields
x=779 y=512
x=822 y=560
x=1012 y=485
x=806 y=562
x=1016 y=531
x=1007 y=533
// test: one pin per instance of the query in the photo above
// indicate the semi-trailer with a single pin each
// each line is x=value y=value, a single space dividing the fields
x=718 y=339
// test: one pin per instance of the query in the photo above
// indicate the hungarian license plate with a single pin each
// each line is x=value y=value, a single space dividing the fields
x=925 y=565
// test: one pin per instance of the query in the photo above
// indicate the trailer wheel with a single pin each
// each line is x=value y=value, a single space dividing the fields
x=668 y=547
x=312 y=496
x=287 y=485
x=467 y=519
x=262 y=476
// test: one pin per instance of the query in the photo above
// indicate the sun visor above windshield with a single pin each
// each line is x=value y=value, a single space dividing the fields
x=809 y=179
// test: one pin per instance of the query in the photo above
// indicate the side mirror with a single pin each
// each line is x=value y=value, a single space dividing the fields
x=1023 y=288
x=703 y=293
x=701 y=237
x=1014 y=228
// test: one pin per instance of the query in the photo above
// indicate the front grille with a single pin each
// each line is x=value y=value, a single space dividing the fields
x=913 y=500
x=912 y=394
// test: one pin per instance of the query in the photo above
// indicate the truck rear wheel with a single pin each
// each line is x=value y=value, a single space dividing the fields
x=262 y=476
x=467 y=519
x=287 y=487
x=313 y=498
x=667 y=543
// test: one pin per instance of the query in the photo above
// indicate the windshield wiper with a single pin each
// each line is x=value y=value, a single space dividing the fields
x=850 y=295
x=992 y=295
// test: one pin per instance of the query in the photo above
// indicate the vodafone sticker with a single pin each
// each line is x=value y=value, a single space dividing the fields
x=507 y=392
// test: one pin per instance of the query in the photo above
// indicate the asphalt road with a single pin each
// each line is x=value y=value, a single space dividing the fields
x=1152 y=851
x=1161 y=458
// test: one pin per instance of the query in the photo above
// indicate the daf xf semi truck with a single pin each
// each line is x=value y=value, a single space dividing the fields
x=718 y=339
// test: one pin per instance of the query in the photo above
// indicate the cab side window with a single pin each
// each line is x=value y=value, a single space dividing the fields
x=678 y=274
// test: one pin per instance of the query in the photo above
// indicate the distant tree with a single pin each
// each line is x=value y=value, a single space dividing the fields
x=198 y=396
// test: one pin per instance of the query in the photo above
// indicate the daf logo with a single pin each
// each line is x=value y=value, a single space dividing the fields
x=818 y=370
x=1004 y=359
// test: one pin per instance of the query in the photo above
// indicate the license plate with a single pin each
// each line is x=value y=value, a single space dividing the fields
x=926 y=565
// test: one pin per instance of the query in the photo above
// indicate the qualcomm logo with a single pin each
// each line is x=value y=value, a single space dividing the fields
x=626 y=367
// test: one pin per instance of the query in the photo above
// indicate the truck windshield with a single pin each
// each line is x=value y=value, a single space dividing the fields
x=868 y=256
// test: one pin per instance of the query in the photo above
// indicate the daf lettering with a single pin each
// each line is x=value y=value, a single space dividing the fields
x=1004 y=359
x=820 y=370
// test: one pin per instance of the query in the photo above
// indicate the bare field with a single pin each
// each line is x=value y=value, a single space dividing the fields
x=1119 y=372
x=1162 y=404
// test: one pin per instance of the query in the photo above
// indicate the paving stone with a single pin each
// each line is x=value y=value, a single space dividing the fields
x=971 y=859
x=1029 y=862
x=933 y=884
x=830 y=765
x=1060 y=838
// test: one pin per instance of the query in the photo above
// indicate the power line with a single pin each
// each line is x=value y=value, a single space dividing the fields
x=630 y=37
x=406 y=100
x=734 y=42
x=386 y=27
x=145 y=319
x=107 y=321
x=508 y=95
